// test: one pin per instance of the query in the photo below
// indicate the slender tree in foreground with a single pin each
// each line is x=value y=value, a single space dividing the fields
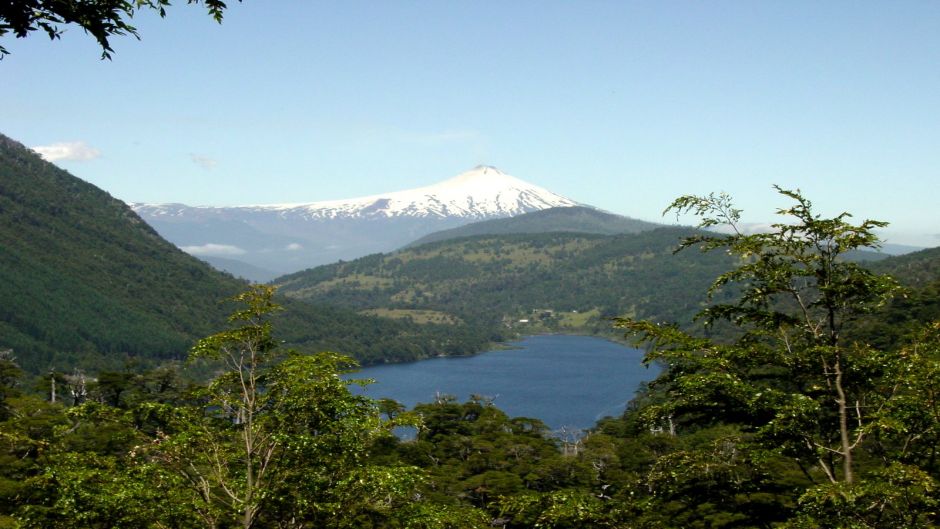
x=795 y=384
x=276 y=439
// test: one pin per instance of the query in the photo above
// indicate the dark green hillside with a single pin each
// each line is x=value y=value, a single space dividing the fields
x=905 y=314
x=577 y=219
x=80 y=273
x=85 y=282
x=913 y=269
x=557 y=281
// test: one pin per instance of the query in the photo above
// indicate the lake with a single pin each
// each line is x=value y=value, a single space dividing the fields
x=566 y=381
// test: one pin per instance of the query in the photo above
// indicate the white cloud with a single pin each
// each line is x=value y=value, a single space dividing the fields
x=293 y=247
x=78 y=151
x=213 y=249
x=203 y=161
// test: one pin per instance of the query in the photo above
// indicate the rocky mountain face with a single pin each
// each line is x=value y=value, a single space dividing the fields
x=289 y=237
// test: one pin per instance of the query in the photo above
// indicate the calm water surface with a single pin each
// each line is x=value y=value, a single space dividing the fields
x=566 y=381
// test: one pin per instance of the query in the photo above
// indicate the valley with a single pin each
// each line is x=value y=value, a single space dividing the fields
x=115 y=293
x=524 y=283
x=469 y=265
x=122 y=378
x=87 y=284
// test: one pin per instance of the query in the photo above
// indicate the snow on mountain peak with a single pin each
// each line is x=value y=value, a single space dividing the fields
x=480 y=193
x=483 y=176
x=290 y=237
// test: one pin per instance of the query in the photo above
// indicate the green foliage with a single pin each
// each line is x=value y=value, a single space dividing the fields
x=917 y=269
x=904 y=315
x=477 y=452
x=560 y=509
x=793 y=279
x=909 y=423
x=10 y=374
x=810 y=417
x=283 y=439
x=81 y=490
x=26 y=430
x=896 y=496
x=102 y=19
x=276 y=439
x=799 y=388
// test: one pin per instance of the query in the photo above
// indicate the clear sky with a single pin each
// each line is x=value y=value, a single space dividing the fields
x=621 y=105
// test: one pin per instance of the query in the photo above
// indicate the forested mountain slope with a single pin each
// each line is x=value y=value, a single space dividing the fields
x=85 y=282
x=557 y=281
x=574 y=219
x=919 y=273
x=913 y=269
x=81 y=273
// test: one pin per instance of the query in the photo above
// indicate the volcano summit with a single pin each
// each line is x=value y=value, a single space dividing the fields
x=279 y=238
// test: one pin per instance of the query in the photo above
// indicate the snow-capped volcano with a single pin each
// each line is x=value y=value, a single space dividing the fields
x=288 y=237
x=484 y=192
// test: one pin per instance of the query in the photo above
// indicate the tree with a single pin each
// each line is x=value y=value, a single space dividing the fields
x=282 y=440
x=276 y=439
x=102 y=19
x=10 y=373
x=795 y=386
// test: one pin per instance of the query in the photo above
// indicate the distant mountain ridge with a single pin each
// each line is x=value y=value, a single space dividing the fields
x=528 y=282
x=559 y=281
x=899 y=249
x=912 y=269
x=289 y=237
x=573 y=219
x=481 y=193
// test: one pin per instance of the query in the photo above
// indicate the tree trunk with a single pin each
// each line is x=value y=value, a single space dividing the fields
x=843 y=424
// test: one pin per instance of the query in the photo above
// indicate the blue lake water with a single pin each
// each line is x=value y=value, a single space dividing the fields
x=566 y=381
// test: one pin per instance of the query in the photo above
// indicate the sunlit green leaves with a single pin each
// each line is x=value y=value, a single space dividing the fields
x=795 y=385
x=896 y=496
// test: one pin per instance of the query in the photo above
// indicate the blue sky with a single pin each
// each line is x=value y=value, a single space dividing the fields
x=621 y=105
